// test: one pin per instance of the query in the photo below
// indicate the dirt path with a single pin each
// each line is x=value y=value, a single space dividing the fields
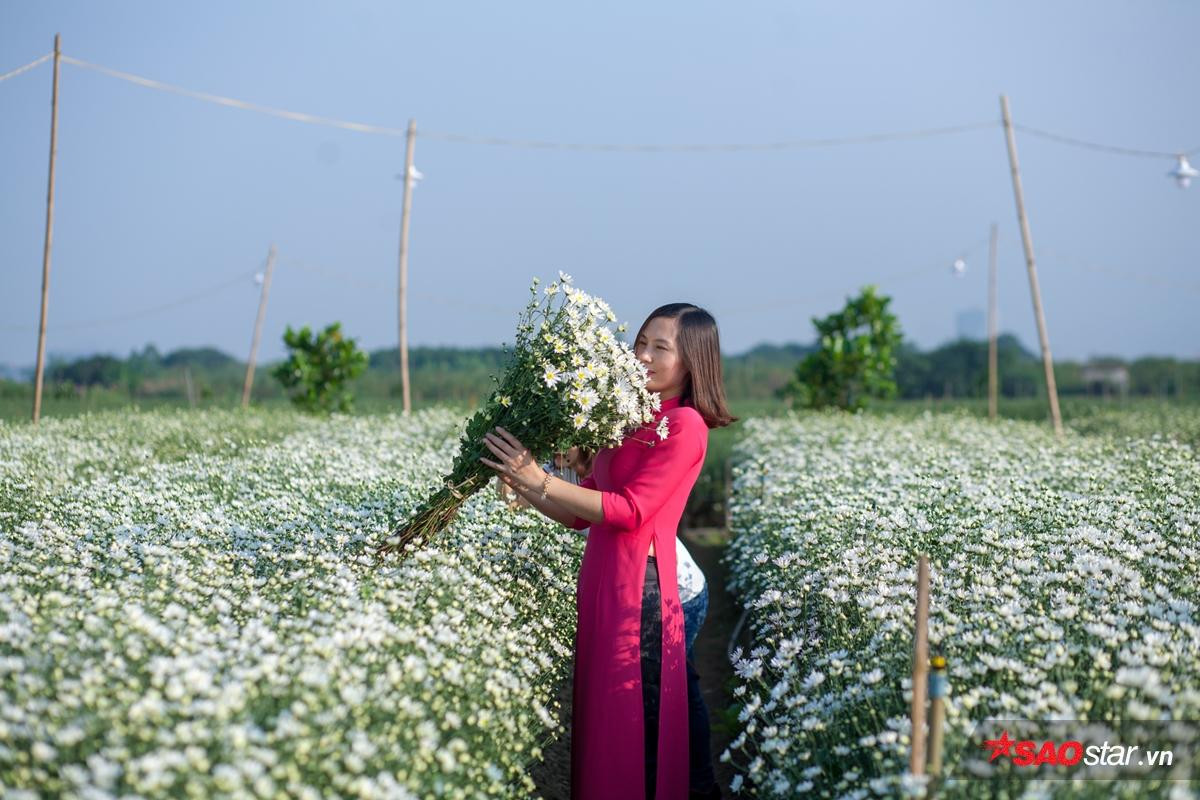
x=553 y=774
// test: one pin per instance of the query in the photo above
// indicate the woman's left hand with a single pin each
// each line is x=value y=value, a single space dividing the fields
x=516 y=464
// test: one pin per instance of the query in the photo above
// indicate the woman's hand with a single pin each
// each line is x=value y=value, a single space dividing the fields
x=516 y=464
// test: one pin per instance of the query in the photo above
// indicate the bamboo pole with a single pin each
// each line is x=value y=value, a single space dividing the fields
x=937 y=712
x=920 y=669
x=187 y=382
x=1027 y=241
x=403 y=291
x=258 y=321
x=41 y=345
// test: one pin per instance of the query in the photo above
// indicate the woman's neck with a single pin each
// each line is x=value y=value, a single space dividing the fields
x=666 y=402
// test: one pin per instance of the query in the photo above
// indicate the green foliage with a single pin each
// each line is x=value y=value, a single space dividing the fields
x=856 y=358
x=439 y=374
x=959 y=369
x=953 y=371
x=318 y=368
x=1163 y=376
x=200 y=358
x=139 y=367
x=98 y=370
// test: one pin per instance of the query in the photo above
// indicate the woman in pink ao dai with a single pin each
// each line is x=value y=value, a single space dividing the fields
x=629 y=734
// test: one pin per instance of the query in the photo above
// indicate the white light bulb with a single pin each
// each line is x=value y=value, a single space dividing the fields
x=1183 y=172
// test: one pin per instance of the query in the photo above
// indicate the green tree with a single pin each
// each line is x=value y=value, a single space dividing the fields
x=140 y=366
x=99 y=370
x=855 y=359
x=318 y=368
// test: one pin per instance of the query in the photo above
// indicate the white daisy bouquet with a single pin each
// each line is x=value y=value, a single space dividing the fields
x=569 y=382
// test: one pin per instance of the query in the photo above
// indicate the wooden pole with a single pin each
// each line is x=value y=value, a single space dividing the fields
x=187 y=380
x=937 y=712
x=1027 y=240
x=920 y=669
x=993 y=378
x=404 y=217
x=258 y=321
x=41 y=346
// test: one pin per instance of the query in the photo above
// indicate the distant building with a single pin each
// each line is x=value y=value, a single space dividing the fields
x=1106 y=378
x=971 y=324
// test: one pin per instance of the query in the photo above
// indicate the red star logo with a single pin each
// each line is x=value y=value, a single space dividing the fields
x=1000 y=747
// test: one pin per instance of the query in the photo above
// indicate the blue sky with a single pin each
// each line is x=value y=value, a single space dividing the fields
x=161 y=197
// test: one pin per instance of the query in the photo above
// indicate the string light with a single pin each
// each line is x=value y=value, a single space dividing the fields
x=144 y=312
x=416 y=176
x=1183 y=172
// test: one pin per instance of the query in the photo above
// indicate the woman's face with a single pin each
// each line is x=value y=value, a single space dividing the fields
x=656 y=348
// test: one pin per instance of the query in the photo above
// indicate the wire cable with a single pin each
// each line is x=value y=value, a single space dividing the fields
x=787 y=144
x=146 y=312
x=384 y=130
x=378 y=286
x=14 y=73
x=1051 y=256
x=1146 y=280
x=538 y=144
x=229 y=101
x=1126 y=151
x=883 y=281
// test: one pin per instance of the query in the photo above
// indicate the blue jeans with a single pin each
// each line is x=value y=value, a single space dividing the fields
x=651 y=657
x=694 y=611
x=701 y=776
x=699 y=745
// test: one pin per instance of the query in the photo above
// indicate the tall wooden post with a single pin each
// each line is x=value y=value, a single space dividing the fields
x=1026 y=238
x=993 y=378
x=258 y=321
x=404 y=217
x=938 y=686
x=187 y=382
x=920 y=669
x=41 y=346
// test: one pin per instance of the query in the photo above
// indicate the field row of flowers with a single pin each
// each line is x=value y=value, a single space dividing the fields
x=1142 y=419
x=1065 y=584
x=190 y=607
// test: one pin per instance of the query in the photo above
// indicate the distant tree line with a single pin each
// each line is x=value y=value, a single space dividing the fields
x=960 y=369
x=957 y=369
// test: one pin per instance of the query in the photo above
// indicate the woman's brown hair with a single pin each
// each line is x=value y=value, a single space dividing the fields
x=700 y=350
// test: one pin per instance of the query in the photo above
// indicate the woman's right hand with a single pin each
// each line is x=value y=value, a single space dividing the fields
x=509 y=494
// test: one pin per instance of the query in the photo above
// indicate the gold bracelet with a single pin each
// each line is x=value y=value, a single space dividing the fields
x=546 y=484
